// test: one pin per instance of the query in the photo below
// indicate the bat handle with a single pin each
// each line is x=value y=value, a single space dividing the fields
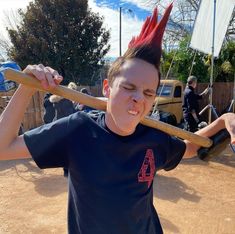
x=60 y=90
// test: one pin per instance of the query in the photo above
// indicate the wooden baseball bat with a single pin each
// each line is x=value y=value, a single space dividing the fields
x=99 y=104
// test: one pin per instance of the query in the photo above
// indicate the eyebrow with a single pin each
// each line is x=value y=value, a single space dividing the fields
x=134 y=86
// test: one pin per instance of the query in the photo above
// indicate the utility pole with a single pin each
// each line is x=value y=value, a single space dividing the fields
x=120 y=31
x=120 y=28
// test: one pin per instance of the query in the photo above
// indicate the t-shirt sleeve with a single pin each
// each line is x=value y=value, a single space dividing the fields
x=47 y=144
x=175 y=152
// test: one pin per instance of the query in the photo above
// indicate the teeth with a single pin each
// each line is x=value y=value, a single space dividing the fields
x=132 y=112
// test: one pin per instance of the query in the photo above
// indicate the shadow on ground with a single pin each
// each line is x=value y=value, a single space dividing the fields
x=46 y=184
x=226 y=158
x=168 y=225
x=28 y=163
x=51 y=186
x=173 y=189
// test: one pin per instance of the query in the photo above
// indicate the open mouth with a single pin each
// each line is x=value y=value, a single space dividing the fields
x=132 y=112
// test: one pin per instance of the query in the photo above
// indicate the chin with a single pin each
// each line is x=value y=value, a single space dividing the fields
x=125 y=125
x=127 y=128
x=126 y=132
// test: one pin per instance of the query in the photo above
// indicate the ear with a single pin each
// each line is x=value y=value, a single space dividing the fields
x=106 y=88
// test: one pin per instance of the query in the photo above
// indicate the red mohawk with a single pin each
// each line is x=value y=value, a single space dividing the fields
x=149 y=42
x=147 y=46
x=152 y=31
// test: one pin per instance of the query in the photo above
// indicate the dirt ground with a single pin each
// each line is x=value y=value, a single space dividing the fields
x=196 y=197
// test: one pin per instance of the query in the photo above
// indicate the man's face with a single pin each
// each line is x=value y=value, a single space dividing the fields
x=194 y=84
x=131 y=96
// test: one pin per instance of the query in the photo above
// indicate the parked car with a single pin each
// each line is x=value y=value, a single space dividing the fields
x=168 y=103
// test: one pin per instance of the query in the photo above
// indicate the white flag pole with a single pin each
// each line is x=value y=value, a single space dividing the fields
x=212 y=63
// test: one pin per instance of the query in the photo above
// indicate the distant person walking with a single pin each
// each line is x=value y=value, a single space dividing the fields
x=190 y=104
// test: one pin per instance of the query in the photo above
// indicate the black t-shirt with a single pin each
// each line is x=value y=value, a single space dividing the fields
x=190 y=101
x=49 y=109
x=110 y=176
x=63 y=108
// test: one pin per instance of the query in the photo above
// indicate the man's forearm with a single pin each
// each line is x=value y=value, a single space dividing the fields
x=205 y=92
x=12 y=116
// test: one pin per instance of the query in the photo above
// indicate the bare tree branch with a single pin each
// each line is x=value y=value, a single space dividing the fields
x=11 y=20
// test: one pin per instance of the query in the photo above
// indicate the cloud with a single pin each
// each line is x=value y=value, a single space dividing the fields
x=14 y=4
x=131 y=26
x=9 y=8
x=148 y=5
x=143 y=4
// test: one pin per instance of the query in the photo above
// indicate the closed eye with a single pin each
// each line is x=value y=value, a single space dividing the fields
x=149 y=94
x=128 y=87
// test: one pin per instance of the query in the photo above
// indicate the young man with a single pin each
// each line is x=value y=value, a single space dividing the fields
x=112 y=159
x=191 y=105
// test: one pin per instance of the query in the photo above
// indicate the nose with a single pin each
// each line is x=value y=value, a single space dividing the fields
x=138 y=97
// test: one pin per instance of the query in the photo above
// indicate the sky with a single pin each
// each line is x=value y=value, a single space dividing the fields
x=133 y=14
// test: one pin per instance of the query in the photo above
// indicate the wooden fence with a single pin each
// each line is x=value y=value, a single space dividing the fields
x=34 y=112
x=222 y=96
x=33 y=116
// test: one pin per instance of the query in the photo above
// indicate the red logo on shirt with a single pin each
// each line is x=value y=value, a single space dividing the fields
x=147 y=170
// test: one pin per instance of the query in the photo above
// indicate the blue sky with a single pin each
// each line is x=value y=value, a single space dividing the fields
x=141 y=13
x=109 y=9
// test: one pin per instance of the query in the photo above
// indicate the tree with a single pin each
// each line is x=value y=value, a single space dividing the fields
x=185 y=61
x=224 y=65
x=11 y=19
x=64 y=34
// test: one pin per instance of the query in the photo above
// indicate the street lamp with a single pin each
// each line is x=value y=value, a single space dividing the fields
x=120 y=27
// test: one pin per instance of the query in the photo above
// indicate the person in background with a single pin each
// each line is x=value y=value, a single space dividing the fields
x=81 y=107
x=63 y=107
x=190 y=104
x=49 y=111
x=85 y=91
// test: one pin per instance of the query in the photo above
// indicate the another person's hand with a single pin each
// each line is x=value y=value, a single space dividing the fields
x=206 y=91
x=48 y=77
x=202 y=124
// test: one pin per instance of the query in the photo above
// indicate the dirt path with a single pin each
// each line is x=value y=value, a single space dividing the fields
x=196 y=197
